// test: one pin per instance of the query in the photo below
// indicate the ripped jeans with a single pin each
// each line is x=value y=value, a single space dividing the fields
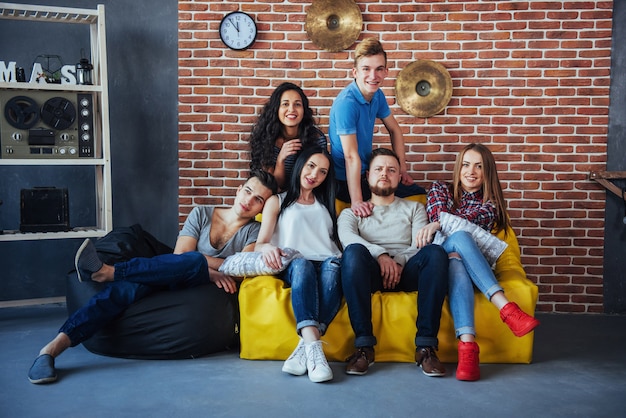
x=472 y=269
x=315 y=291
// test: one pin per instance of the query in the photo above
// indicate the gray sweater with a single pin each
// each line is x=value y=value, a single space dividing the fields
x=389 y=230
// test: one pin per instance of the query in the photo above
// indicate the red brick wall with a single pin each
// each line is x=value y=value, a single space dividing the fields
x=531 y=80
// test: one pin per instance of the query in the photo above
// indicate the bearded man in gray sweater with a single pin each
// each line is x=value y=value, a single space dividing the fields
x=382 y=254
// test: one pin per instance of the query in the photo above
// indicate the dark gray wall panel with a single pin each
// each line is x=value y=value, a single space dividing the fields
x=142 y=51
x=615 y=230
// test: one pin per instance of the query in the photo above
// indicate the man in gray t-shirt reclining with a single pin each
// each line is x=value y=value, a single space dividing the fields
x=209 y=235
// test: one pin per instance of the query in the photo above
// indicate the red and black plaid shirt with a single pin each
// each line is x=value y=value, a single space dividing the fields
x=472 y=208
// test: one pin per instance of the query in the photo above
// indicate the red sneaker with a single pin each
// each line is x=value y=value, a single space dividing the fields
x=468 y=367
x=517 y=320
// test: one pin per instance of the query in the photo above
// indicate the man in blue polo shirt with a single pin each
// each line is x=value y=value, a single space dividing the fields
x=351 y=129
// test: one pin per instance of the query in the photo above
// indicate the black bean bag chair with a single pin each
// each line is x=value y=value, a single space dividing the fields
x=168 y=324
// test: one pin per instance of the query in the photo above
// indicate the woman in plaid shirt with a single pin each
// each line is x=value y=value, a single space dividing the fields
x=475 y=195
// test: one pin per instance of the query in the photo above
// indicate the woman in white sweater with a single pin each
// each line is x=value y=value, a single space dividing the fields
x=303 y=218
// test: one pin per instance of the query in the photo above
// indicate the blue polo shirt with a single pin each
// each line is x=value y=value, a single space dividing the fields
x=352 y=114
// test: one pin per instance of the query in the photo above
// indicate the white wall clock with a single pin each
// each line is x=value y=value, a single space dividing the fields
x=238 y=30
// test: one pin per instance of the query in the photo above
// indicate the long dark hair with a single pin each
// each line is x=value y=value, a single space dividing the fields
x=324 y=193
x=268 y=128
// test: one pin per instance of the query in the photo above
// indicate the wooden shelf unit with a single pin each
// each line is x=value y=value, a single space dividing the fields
x=101 y=162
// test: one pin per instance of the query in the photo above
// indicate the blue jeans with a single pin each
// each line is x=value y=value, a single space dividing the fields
x=315 y=291
x=471 y=269
x=426 y=272
x=134 y=280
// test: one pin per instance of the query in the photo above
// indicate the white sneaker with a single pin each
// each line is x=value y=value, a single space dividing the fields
x=296 y=363
x=316 y=364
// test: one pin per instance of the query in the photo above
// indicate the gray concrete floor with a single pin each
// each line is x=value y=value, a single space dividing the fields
x=579 y=370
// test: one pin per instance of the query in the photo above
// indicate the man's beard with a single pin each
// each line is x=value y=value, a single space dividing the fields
x=383 y=191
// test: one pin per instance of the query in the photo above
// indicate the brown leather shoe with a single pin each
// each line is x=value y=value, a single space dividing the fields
x=428 y=361
x=359 y=362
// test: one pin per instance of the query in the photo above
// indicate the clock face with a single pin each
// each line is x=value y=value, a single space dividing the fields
x=238 y=30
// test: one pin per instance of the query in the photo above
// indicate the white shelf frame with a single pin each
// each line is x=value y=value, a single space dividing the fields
x=95 y=18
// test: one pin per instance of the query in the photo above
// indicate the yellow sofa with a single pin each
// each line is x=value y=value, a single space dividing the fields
x=267 y=323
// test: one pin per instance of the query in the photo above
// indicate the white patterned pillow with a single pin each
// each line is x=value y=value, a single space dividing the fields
x=489 y=245
x=251 y=263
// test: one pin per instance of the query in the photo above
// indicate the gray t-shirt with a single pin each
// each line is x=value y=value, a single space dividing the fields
x=198 y=226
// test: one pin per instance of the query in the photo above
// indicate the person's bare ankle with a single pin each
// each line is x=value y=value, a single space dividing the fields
x=58 y=345
x=105 y=274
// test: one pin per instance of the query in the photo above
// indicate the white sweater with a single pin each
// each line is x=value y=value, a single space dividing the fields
x=390 y=229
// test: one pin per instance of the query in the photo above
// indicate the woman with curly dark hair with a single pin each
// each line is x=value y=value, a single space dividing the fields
x=285 y=126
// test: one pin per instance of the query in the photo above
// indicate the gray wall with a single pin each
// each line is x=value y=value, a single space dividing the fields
x=142 y=62
x=615 y=229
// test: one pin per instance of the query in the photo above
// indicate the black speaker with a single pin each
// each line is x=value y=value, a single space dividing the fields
x=44 y=209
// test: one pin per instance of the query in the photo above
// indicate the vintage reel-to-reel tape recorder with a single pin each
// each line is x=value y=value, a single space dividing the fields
x=46 y=124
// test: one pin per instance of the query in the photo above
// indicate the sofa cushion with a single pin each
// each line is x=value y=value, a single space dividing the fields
x=245 y=264
x=168 y=324
x=267 y=323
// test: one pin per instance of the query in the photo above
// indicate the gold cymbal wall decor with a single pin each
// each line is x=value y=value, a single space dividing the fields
x=423 y=88
x=333 y=25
